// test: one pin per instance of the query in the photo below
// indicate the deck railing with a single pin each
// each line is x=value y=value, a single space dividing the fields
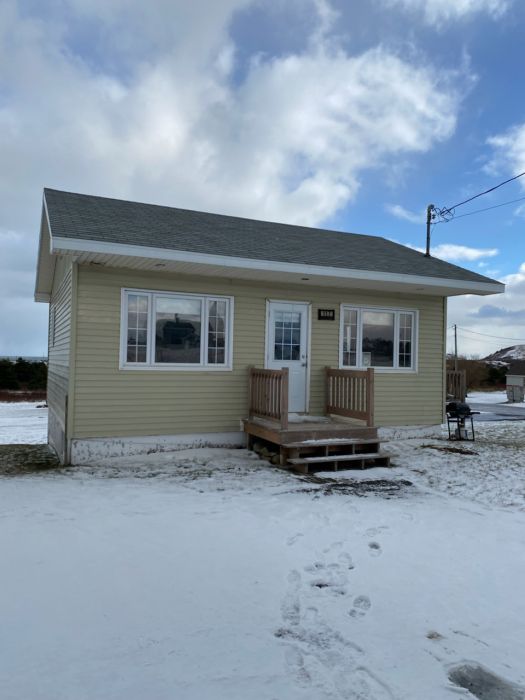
x=457 y=384
x=350 y=393
x=268 y=394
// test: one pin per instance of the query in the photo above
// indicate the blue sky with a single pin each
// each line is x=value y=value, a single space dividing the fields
x=348 y=115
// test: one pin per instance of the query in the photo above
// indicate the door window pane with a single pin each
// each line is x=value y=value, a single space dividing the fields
x=178 y=330
x=378 y=337
x=287 y=335
x=137 y=336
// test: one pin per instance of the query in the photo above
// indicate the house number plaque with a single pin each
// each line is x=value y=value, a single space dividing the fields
x=326 y=314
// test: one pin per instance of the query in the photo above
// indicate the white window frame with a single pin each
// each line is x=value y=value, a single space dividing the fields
x=360 y=308
x=150 y=364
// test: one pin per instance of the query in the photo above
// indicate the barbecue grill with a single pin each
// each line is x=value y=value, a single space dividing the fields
x=458 y=413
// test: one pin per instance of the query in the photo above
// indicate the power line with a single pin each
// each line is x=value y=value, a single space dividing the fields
x=486 y=335
x=479 y=211
x=450 y=210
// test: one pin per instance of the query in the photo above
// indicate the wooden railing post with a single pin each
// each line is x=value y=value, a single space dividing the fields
x=284 y=398
x=370 y=396
x=250 y=391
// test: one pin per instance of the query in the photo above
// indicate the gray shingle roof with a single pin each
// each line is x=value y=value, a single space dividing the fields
x=80 y=216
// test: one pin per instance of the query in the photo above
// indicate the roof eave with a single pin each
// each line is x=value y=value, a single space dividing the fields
x=442 y=286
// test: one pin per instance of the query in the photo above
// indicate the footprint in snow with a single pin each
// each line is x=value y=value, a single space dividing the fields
x=375 y=548
x=295 y=662
x=362 y=605
x=315 y=567
x=373 y=531
x=332 y=586
x=293 y=539
x=291 y=605
x=346 y=560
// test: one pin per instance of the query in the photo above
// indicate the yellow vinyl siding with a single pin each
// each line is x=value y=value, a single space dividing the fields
x=113 y=402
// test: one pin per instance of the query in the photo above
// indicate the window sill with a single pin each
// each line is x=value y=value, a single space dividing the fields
x=383 y=370
x=174 y=368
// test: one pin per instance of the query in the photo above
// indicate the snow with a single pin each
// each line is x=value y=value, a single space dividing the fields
x=208 y=574
x=517 y=352
x=487 y=397
x=492 y=397
x=23 y=423
x=514 y=352
x=302 y=418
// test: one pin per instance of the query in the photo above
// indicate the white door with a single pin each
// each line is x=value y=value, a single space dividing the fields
x=287 y=346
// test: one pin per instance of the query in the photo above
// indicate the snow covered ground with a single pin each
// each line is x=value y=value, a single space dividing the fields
x=208 y=575
x=23 y=423
x=487 y=396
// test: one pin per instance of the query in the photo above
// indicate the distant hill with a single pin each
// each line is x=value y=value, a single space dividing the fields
x=507 y=355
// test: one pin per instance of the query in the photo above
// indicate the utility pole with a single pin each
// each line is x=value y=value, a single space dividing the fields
x=455 y=348
x=430 y=211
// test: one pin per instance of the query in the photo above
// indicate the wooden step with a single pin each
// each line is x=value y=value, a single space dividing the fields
x=337 y=442
x=304 y=465
x=339 y=458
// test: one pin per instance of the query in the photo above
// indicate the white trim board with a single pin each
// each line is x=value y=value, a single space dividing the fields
x=71 y=245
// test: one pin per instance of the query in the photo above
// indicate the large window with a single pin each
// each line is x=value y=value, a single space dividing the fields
x=160 y=329
x=380 y=338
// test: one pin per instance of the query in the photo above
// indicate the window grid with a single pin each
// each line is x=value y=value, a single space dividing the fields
x=216 y=332
x=287 y=335
x=137 y=328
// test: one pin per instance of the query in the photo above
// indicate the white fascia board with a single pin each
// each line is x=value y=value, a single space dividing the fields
x=45 y=262
x=60 y=244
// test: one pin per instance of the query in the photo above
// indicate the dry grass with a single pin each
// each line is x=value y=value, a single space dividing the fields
x=18 y=460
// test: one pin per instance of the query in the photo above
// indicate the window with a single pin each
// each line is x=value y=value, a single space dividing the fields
x=380 y=338
x=165 y=330
x=287 y=334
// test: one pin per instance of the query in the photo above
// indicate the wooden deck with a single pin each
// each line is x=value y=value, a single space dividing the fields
x=315 y=444
x=344 y=438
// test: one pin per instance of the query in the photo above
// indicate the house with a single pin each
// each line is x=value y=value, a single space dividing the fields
x=516 y=381
x=169 y=327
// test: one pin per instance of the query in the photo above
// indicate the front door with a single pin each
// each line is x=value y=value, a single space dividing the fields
x=287 y=346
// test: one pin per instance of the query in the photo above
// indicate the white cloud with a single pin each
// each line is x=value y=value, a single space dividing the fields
x=500 y=319
x=437 y=12
x=405 y=214
x=508 y=152
x=153 y=110
x=457 y=253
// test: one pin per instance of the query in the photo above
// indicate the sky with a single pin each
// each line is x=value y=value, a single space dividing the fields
x=353 y=115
